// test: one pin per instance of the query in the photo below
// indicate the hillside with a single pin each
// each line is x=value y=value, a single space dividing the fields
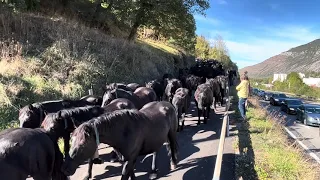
x=45 y=58
x=304 y=58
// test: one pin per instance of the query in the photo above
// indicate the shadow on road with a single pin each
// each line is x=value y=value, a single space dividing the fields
x=246 y=161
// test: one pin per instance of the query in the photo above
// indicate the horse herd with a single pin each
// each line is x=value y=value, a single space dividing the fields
x=126 y=118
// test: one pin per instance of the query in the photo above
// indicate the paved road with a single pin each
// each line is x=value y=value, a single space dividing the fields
x=198 y=146
x=309 y=135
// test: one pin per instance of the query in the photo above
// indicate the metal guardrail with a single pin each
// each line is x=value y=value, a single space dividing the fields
x=224 y=133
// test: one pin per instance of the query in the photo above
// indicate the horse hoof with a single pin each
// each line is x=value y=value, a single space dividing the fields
x=153 y=176
x=97 y=161
x=173 y=166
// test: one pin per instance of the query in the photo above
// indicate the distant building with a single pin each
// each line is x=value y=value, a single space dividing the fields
x=279 y=77
x=312 y=81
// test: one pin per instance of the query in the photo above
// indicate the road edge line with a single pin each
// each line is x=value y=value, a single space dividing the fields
x=313 y=155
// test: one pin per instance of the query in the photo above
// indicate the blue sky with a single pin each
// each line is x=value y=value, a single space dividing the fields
x=255 y=30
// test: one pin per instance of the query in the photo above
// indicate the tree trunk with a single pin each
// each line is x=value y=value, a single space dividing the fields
x=96 y=13
x=137 y=23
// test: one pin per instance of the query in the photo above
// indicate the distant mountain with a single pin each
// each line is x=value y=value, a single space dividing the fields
x=304 y=58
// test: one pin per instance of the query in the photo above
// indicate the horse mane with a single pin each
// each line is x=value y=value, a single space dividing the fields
x=67 y=113
x=104 y=122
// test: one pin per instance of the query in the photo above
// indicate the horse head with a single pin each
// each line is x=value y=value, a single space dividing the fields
x=83 y=146
x=108 y=96
x=30 y=116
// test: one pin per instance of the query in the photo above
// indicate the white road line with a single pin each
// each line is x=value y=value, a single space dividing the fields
x=313 y=155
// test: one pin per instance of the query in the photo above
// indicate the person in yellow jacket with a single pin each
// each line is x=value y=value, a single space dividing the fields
x=243 y=94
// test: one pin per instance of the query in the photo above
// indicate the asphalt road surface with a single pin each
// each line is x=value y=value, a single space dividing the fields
x=198 y=146
x=309 y=135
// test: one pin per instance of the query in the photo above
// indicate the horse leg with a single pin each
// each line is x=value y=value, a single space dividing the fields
x=183 y=118
x=96 y=158
x=199 y=115
x=204 y=113
x=172 y=147
x=153 y=174
x=66 y=142
x=207 y=114
x=89 y=173
x=127 y=170
x=119 y=155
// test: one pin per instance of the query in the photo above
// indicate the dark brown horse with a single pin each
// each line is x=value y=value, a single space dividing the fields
x=158 y=88
x=172 y=86
x=25 y=151
x=203 y=99
x=181 y=101
x=139 y=98
x=134 y=86
x=62 y=123
x=32 y=115
x=131 y=132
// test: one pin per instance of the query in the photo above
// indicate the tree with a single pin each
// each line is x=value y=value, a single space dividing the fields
x=202 y=48
x=147 y=11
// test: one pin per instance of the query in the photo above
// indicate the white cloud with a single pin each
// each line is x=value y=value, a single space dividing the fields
x=296 y=33
x=208 y=20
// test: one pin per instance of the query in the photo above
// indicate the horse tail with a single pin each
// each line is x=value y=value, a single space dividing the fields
x=58 y=161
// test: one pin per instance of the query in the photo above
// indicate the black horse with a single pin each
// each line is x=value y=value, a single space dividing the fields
x=172 y=86
x=25 y=151
x=92 y=100
x=31 y=116
x=117 y=86
x=181 y=101
x=158 y=88
x=131 y=132
x=192 y=82
x=223 y=81
x=145 y=95
x=203 y=99
x=139 y=98
x=63 y=123
x=216 y=90
x=133 y=86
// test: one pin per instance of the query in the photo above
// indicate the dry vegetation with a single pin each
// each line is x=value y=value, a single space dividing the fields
x=44 y=58
x=266 y=152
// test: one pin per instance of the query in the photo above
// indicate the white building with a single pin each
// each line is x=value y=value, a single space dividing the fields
x=279 y=77
x=312 y=81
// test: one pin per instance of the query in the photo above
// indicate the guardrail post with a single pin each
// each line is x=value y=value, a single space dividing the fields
x=91 y=90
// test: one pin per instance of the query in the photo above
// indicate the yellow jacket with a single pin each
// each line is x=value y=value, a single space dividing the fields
x=243 y=89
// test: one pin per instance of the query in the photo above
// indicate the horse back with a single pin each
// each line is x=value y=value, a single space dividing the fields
x=30 y=151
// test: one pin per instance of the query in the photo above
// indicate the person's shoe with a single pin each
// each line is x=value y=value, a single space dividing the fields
x=97 y=161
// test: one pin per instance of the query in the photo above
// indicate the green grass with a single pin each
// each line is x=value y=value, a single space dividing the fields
x=160 y=46
x=265 y=146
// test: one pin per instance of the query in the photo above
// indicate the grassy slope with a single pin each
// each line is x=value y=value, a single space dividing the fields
x=265 y=152
x=44 y=58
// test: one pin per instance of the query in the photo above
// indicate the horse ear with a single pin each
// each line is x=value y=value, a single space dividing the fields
x=30 y=107
x=59 y=114
x=45 y=113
